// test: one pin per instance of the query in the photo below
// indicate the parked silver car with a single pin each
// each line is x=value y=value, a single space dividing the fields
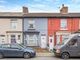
x=16 y=50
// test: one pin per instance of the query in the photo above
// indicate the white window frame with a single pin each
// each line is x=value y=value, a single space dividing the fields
x=13 y=23
x=65 y=37
x=63 y=24
x=2 y=39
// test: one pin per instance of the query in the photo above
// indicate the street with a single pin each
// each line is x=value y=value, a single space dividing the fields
x=40 y=58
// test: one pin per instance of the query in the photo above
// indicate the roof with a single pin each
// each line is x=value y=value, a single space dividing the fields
x=11 y=14
x=52 y=15
x=20 y=14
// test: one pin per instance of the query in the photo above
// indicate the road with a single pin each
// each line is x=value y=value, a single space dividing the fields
x=40 y=58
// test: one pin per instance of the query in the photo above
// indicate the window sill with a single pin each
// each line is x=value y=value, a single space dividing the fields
x=64 y=29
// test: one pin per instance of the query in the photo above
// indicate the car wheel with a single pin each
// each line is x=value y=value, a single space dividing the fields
x=64 y=55
x=1 y=56
x=26 y=55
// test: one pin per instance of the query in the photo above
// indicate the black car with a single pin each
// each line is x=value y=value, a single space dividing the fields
x=16 y=50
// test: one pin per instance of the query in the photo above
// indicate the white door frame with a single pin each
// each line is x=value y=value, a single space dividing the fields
x=43 y=41
x=51 y=42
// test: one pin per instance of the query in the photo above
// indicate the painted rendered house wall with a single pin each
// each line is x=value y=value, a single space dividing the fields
x=6 y=31
x=54 y=27
x=40 y=26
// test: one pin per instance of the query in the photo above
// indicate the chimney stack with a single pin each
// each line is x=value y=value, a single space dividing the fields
x=64 y=9
x=25 y=10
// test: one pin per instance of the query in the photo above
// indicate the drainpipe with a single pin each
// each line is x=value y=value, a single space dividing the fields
x=23 y=31
x=72 y=26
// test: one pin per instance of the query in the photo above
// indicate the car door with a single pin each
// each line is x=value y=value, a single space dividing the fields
x=6 y=50
x=78 y=46
x=16 y=51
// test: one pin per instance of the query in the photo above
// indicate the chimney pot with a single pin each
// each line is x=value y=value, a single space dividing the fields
x=64 y=9
x=25 y=10
x=62 y=5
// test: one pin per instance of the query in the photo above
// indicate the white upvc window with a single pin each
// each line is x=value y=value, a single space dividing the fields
x=63 y=24
x=65 y=38
x=31 y=24
x=2 y=39
x=13 y=23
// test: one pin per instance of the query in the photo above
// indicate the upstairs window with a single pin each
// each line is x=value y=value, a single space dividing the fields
x=31 y=24
x=63 y=24
x=13 y=23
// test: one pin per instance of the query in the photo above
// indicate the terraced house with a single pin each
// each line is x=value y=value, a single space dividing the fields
x=38 y=29
x=10 y=27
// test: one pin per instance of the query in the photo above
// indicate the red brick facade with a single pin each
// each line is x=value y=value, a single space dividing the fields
x=54 y=26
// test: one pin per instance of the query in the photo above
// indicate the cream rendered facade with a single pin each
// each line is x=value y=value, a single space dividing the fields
x=9 y=35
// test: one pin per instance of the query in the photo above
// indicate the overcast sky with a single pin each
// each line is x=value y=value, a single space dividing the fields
x=39 y=5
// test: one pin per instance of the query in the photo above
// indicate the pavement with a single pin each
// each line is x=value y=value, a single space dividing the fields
x=45 y=54
x=41 y=58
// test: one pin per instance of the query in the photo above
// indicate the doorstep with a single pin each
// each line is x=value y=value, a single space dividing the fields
x=45 y=54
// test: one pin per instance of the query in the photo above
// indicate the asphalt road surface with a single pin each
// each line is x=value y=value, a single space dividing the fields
x=40 y=58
